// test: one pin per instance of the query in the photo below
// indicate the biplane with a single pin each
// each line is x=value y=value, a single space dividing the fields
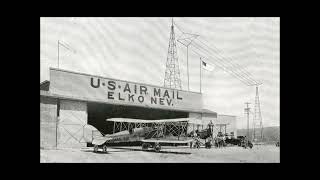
x=152 y=133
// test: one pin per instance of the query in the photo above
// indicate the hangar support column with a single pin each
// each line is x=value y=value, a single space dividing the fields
x=48 y=119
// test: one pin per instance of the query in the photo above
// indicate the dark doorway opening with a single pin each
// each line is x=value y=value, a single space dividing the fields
x=98 y=113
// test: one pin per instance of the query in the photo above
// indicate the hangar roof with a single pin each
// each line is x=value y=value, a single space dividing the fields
x=45 y=85
x=148 y=121
x=208 y=111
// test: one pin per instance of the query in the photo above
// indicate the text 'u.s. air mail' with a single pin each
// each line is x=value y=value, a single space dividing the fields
x=130 y=92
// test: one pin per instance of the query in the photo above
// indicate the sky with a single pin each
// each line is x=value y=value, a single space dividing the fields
x=135 y=49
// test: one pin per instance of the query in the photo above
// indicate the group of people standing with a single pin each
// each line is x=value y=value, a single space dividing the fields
x=218 y=141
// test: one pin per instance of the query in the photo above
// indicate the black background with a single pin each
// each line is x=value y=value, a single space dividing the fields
x=21 y=81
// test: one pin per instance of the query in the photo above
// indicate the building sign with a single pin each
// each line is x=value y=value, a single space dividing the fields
x=94 y=88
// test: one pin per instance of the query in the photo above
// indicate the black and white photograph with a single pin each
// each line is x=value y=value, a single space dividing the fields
x=160 y=90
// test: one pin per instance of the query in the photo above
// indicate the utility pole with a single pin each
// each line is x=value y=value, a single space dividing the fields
x=187 y=45
x=247 y=110
x=186 y=41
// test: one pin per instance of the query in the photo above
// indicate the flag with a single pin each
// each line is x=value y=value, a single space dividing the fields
x=207 y=66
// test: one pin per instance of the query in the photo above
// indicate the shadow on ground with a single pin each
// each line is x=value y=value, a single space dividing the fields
x=132 y=149
x=100 y=152
x=168 y=152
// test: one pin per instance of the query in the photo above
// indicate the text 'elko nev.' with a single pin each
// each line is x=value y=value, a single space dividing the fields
x=130 y=92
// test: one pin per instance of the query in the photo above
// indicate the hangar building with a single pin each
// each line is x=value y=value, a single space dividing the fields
x=71 y=100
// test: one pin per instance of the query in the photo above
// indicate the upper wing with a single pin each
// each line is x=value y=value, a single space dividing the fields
x=148 y=121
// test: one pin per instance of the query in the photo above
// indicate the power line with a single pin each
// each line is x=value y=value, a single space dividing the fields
x=234 y=69
x=178 y=27
x=225 y=69
x=235 y=64
x=250 y=80
x=222 y=66
x=222 y=57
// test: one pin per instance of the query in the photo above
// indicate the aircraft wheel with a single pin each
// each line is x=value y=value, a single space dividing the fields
x=145 y=146
x=104 y=148
x=157 y=147
x=95 y=148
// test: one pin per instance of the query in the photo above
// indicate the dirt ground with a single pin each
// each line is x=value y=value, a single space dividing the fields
x=258 y=154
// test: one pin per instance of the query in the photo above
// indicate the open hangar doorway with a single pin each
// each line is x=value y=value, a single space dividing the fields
x=99 y=112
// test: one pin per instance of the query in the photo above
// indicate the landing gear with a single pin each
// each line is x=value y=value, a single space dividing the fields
x=197 y=144
x=191 y=145
x=208 y=145
x=157 y=147
x=95 y=148
x=145 y=146
x=104 y=148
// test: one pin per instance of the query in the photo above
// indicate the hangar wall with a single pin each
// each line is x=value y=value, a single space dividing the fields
x=72 y=119
x=232 y=127
x=216 y=119
x=205 y=118
x=195 y=115
x=48 y=118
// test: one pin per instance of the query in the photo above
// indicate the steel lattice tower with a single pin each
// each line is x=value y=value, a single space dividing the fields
x=257 y=120
x=172 y=73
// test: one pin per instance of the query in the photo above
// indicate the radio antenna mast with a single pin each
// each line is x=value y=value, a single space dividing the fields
x=257 y=120
x=172 y=73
